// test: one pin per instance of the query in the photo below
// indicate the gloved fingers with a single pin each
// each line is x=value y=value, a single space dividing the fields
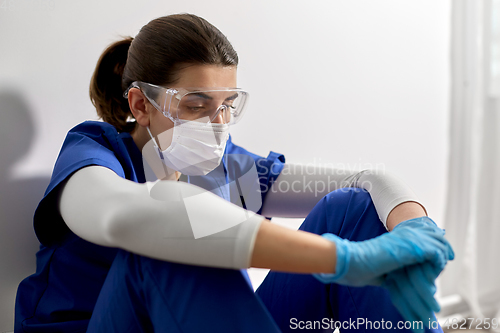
x=423 y=223
x=420 y=222
x=451 y=253
x=430 y=272
x=423 y=286
x=392 y=251
x=433 y=249
x=426 y=234
x=419 y=237
x=366 y=262
x=416 y=248
x=409 y=227
x=427 y=225
x=401 y=303
x=412 y=292
x=446 y=246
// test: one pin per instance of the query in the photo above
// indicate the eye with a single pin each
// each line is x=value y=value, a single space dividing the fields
x=231 y=107
x=195 y=108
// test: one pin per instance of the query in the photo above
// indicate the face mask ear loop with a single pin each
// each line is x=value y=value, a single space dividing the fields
x=159 y=151
x=154 y=142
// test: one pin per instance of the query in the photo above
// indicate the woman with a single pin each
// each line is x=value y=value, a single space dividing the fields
x=119 y=254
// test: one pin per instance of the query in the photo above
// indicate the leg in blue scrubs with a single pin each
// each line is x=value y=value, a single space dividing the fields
x=350 y=214
x=142 y=294
x=145 y=295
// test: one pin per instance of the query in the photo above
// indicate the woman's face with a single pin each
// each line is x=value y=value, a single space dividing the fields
x=194 y=76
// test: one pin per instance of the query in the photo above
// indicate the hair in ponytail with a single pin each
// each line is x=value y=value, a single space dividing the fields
x=106 y=86
x=155 y=55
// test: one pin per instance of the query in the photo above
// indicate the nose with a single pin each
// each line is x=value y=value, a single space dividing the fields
x=219 y=118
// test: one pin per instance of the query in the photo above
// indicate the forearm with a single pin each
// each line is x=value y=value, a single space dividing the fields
x=168 y=223
x=283 y=249
x=163 y=223
x=403 y=212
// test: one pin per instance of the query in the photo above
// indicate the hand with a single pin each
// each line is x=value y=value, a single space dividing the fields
x=412 y=290
x=366 y=263
x=416 y=283
x=425 y=223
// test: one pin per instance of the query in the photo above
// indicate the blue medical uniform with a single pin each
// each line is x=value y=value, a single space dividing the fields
x=61 y=295
x=79 y=285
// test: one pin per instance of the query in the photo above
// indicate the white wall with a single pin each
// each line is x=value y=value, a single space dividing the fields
x=354 y=83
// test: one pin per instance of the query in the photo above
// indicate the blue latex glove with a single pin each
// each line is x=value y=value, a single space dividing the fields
x=366 y=263
x=412 y=290
x=412 y=287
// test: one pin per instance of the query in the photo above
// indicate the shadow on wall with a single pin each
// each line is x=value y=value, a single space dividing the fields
x=18 y=200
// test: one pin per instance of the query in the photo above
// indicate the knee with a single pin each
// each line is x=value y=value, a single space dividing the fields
x=347 y=212
x=360 y=220
x=348 y=197
x=350 y=191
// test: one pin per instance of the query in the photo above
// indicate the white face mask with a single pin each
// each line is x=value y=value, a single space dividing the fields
x=196 y=148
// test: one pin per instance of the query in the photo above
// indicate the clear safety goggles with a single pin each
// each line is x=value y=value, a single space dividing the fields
x=195 y=104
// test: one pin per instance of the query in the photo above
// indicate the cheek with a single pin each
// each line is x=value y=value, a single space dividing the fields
x=162 y=128
x=165 y=138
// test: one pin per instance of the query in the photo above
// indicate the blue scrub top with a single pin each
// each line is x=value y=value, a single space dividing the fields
x=70 y=272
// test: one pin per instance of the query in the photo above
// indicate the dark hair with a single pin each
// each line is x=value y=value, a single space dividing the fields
x=162 y=47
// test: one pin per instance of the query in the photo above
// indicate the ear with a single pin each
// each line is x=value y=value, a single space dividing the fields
x=139 y=106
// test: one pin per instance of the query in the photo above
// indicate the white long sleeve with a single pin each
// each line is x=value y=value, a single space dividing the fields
x=174 y=221
x=299 y=187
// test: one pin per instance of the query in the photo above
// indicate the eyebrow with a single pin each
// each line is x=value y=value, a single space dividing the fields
x=231 y=98
x=205 y=96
